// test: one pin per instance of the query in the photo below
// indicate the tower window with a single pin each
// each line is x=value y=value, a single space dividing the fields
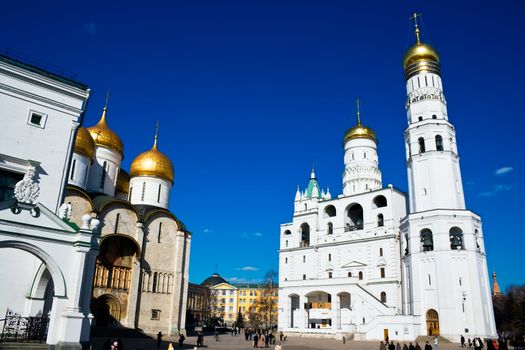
x=429 y=280
x=349 y=274
x=434 y=116
x=160 y=231
x=456 y=238
x=73 y=169
x=304 y=258
x=330 y=228
x=420 y=118
x=158 y=195
x=439 y=143
x=286 y=243
x=103 y=175
x=304 y=277
x=380 y=220
x=364 y=155
x=329 y=257
x=130 y=193
x=329 y=275
x=380 y=251
x=305 y=235
x=143 y=191
x=382 y=272
x=427 y=240
x=383 y=297
x=286 y=260
x=421 y=142
x=360 y=275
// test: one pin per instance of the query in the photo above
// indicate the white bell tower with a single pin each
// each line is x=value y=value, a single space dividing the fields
x=445 y=268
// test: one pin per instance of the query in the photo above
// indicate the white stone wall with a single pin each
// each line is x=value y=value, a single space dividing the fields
x=149 y=190
x=106 y=164
x=362 y=172
x=79 y=170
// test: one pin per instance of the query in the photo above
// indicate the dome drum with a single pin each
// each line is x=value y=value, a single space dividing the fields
x=422 y=67
x=421 y=57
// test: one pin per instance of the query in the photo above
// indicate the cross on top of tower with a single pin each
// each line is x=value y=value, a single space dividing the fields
x=358 y=112
x=416 y=26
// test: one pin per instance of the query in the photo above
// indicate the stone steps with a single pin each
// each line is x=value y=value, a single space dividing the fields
x=23 y=346
x=424 y=338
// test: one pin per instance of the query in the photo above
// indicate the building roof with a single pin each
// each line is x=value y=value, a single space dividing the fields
x=213 y=280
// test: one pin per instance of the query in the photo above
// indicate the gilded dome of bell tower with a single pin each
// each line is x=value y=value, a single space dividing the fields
x=420 y=57
x=152 y=163
x=359 y=131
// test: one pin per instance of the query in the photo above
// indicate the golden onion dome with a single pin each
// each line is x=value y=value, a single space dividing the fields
x=420 y=57
x=104 y=136
x=123 y=181
x=360 y=132
x=84 y=143
x=152 y=163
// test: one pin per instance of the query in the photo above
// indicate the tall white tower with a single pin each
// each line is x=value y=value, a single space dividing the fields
x=108 y=156
x=446 y=278
x=362 y=172
x=151 y=176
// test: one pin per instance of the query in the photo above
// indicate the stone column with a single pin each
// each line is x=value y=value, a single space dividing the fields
x=336 y=313
x=134 y=290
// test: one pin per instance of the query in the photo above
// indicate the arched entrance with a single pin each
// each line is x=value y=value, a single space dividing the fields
x=107 y=310
x=432 y=322
x=319 y=309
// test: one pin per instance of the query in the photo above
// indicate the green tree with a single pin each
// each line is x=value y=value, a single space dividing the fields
x=240 y=319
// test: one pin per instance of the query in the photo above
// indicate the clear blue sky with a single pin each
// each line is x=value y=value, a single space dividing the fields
x=250 y=93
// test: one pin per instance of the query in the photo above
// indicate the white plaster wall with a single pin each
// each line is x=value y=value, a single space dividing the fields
x=113 y=160
x=151 y=192
x=361 y=167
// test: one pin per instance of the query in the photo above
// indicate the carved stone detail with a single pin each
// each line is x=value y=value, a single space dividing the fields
x=425 y=94
x=27 y=190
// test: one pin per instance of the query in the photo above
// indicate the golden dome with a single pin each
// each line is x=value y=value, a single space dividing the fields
x=104 y=136
x=123 y=181
x=84 y=143
x=152 y=163
x=420 y=57
x=360 y=132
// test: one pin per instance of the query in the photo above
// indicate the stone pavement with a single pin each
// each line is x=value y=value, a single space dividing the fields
x=228 y=342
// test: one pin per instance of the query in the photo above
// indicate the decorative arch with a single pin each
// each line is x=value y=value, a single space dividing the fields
x=330 y=211
x=427 y=240
x=287 y=232
x=103 y=203
x=456 y=238
x=181 y=226
x=51 y=265
x=379 y=202
x=354 y=217
x=107 y=308
x=118 y=235
x=305 y=235
x=432 y=322
x=81 y=193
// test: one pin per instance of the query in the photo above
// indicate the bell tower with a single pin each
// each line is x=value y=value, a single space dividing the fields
x=446 y=280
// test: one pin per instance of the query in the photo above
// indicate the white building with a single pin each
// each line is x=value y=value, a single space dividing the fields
x=47 y=265
x=375 y=262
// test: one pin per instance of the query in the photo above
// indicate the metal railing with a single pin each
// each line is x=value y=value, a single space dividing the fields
x=19 y=328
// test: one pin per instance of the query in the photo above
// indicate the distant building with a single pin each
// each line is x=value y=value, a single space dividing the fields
x=376 y=263
x=198 y=305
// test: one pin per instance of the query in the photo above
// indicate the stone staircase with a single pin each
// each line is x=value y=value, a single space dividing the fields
x=23 y=346
x=422 y=339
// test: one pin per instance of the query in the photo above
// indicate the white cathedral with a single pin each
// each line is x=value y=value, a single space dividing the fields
x=375 y=263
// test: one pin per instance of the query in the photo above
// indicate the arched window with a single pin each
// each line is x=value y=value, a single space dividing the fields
x=456 y=238
x=73 y=166
x=360 y=275
x=382 y=272
x=286 y=243
x=427 y=242
x=383 y=297
x=286 y=260
x=380 y=220
x=433 y=115
x=305 y=235
x=421 y=142
x=155 y=281
x=439 y=143
x=287 y=232
x=420 y=118
x=329 y=257
x=330 y=211
x=380 y=202
x=380 y=251
x=354 y=219
x=349 y=274
x=103 y=174
x=330 y=229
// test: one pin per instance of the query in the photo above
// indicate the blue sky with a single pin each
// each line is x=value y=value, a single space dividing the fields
x=250 y=93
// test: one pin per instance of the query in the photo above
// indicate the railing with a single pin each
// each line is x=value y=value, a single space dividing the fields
x=18 y=328
x=115 y=277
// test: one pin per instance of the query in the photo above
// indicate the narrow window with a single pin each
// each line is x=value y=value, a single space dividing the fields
x=353 y=156
x=382 y=272
x=426 y=81
x=420 y=118
x=73 y=169
x=330 y=228
x=460 y=281
x=117 y=222
x=439 y=143
x=329 y=257
x=143 y=191
x=363 y=320
x=364 y=155
x=130 y=193
x=154 y=287
x=304 y=277
x=429 y=280
x=380 y=220
x=433 y=84
x=286 y=243
x=380 y=251
x=36 y=119
x=434 y=116
x=329 y=275
x=383 y=297
x=158 y=195
x=160 y=231
x=421 y=142
x=349 y=274
x=418 y=83
x=360 y=275
x=103 y=175
x=304 y=258
x=286 y=260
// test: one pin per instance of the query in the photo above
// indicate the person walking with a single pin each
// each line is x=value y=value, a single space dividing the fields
x=428 y=346
x=436 y=343
x=411 y=346
x=255 y=339
x=417 y=346
x=398 y=346
x=405 y=347
x=391 y=346
x=181 y=340
x=462 y=341
x=200 y=340
x=159 y=339
x=382 y=346
x=216 y=335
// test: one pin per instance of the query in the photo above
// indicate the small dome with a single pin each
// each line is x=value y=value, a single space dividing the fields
x=152 y=163
x=420 y=57
x=84 y=143
x=213 y=280
x=360 y=132
x=123 y=181
x=104 y=136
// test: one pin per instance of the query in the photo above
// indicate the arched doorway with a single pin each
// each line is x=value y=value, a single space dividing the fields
x=319 y=309
x=107 y=310
x=432 y=322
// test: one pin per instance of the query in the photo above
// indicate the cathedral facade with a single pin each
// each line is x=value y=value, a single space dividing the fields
x=141 y=271
x=376 y=263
